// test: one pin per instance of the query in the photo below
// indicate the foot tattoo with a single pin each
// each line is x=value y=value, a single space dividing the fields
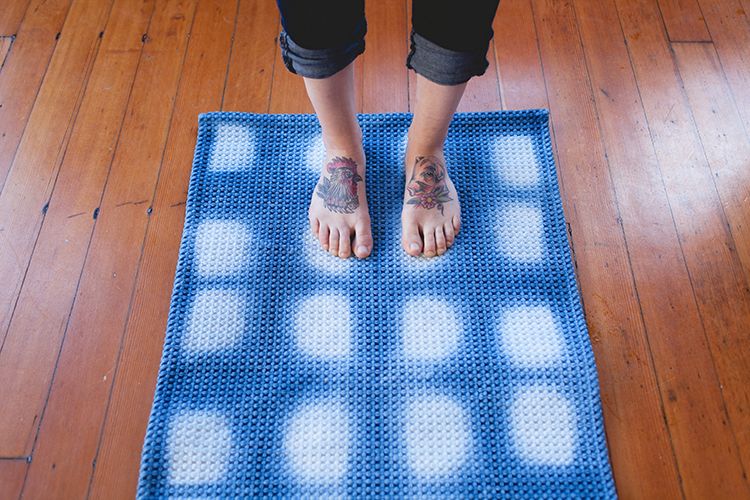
x=427 y=184
x=339 y=192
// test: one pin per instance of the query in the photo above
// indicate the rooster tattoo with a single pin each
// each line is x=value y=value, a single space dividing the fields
x=339 y=192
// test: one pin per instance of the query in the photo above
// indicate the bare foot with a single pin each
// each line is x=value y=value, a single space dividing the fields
x=431 y=216
x=338 y=211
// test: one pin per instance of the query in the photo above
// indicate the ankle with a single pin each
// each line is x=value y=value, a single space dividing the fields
x=348 y=140
x=423 y=147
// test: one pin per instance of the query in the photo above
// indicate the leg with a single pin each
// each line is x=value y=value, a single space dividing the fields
x=320 y=41
x=448 y=47
x=431 y=216
x=338 y=210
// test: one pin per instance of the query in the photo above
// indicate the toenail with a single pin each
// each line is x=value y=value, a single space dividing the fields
x=362 y=249
x=414 y=246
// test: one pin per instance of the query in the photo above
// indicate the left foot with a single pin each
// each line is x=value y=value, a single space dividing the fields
x=431 y=216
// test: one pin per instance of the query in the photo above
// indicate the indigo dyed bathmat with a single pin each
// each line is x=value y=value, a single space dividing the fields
x=288 y=372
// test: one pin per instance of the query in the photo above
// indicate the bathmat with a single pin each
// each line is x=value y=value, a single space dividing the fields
x=287 y=372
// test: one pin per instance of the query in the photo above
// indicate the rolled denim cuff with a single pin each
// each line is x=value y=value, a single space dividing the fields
x=320 y=63
x=444 y=66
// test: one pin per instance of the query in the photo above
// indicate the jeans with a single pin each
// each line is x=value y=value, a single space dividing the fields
x=448 y=40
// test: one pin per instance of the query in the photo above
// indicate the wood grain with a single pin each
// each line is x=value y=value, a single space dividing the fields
x=33 y=341
x=40 y=152
x=75 y=410
x=519 y=67
x=11 y=15
x=5 y=43
x=25 y=68
x=692 y=397
x=727 y=149
x=605 y=275
x=726 y=145
x=684 y=21
x=201 y=88
x=12 y=474
x=251 y=68
x=385 y=81
x=705 y=241
x=729 y=24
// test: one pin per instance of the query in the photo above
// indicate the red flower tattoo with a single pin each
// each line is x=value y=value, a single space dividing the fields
x=427 y=186
x=339 y=192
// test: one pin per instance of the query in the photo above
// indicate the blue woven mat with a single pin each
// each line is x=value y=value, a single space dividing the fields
x=289 y=372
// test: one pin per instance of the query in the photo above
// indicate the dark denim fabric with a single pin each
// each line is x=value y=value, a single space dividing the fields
x=448 y=40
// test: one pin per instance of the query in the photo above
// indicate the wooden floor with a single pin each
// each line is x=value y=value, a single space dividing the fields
x=650 y=108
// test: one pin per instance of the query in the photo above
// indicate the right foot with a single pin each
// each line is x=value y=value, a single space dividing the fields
x=338 y=211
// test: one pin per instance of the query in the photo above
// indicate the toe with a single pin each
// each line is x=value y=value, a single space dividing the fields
x=323 y=234
x=345 y=243
x=333 y=242
x=456 y=223
x=450 y=234
x=362 y=240
x=314 y=225
x=440 y=240
x=429 y=242
x=411 y=240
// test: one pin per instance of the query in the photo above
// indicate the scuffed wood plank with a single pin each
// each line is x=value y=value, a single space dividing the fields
x=723 y=137
x=727 y=148
x=11 y=14
x=71 y=424
x=12 y=473
x=200 y=90
x=634 y=421
x=684 y=21
x=5 y=43
x=716 y=274
x=34 y=169
x=251 y=67
x=33 y=340
x=25 y=68
x=385 y=84
x=691 y=392
x=519 y=66
x=729 y=24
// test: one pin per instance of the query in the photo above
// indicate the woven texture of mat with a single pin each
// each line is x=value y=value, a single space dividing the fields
x=288 y=372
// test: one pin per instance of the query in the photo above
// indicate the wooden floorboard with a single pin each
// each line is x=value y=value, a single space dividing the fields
x=716 y=273
x=11 y=15
x=727 y=149
x=684 y=21
x=5 y=43
x=33 y=341
x=650 y=112
x=724 y=141
x=32 y=169
x=385 y=87
x=23 y=72
x=728 y=22
x=248 y=86
x=79 y=392
x=12 y=473
x=690 y=392
x=201 y=88
x=609 y=293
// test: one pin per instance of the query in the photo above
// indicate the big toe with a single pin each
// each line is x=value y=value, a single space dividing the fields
x=412 y=241
x=362 y=240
